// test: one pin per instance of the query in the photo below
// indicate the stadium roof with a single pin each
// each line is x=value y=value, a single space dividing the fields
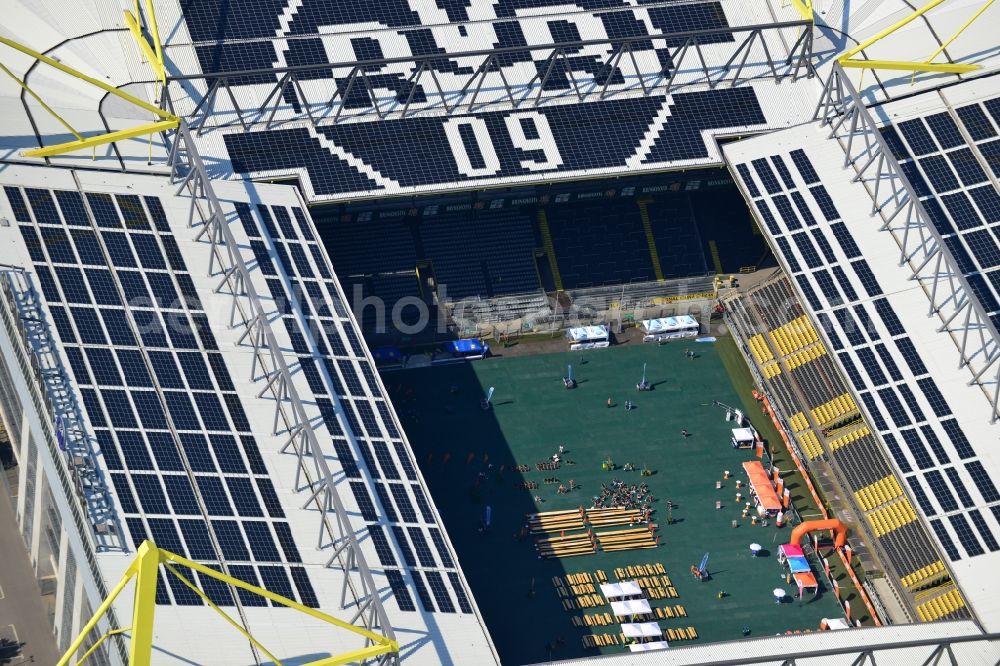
x=924 y=390
x=170 y=415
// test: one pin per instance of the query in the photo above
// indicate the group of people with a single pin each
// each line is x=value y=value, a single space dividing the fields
x=621 y=495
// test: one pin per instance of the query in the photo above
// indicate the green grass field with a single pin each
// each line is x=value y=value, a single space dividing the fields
x=532 y=415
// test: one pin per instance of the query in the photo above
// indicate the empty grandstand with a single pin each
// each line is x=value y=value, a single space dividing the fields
x=232 y=230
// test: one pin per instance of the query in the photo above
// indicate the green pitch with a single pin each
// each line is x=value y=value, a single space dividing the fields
x=532 y=415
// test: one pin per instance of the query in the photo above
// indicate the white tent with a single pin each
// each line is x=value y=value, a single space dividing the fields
x=667 y=328
x=628 y=588
x=633 y=607
x=642 y=630
x=743 y=438
x=588 y=337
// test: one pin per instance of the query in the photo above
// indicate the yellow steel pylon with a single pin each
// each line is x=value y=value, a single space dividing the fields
x=846 y=59
x=145 y=570
x=167 y=121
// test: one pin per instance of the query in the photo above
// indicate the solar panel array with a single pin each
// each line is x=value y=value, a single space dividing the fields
x=492 y=147
x=265 y=33
x=364 y=434
x=902 y=399
x=172 y=430
x=950 y=164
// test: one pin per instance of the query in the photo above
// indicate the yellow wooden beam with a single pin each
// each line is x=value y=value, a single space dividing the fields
x=107 y=87
x=154 y=30
x=961 y=29
x=909 y=66
x=101 y=139
x=145 y=569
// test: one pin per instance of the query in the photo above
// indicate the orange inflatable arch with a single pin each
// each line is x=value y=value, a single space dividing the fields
x=839 y=528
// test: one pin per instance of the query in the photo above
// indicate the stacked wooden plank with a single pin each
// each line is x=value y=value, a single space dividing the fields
x=628 y=539
x=610 y=517
x=566 y=545
x=555 y=521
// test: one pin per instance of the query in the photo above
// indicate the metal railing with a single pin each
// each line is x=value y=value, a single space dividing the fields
x=931 y=263
x=82 y=513
x=63 y=425
x=269 y=366
x=341 y=91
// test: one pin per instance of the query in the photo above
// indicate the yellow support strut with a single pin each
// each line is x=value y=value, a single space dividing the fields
x=101 y=139
x=167 y=120
x=154 y=51
x=845 y=59
x=145 y=570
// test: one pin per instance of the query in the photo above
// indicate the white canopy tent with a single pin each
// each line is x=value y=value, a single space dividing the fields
x=646 y=647
x=642 y=630
x=743 y=438
x=588 y=337
x=632 y=607
x=668 y=328
x=628 y=588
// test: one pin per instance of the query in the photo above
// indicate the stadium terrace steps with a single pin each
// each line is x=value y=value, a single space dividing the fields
x=905 y=546
x=879 y=493
x=838 y=409
x=924 y=575
x=810 y=444
x=941 y=607
x=647 y=225
x=550 y=250
x=892 y=516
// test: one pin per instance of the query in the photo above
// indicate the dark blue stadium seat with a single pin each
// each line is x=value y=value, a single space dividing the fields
x=599 y=243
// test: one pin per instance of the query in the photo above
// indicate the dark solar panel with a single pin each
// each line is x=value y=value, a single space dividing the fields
x=422 y=594
x=917 y=136
x=920 y=496
x=400 y=591
x=939 y=173
x=965 y=535
x=436 y=583
x=381 y=544
x=803 y=208
x=975 y=122
x=890 y=366
x=786 y=212
x=959 y=487
x=420 y=545
x=404 y=545
x=984 y=531
x=916 y=448
x=804 y=166
x=364 y=501
x=983 y=481
x=786 y=253
x=43 y=206
x=782 y=169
